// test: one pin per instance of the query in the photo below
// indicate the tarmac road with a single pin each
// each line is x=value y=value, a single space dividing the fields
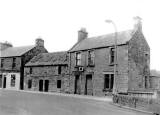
x=24 y=103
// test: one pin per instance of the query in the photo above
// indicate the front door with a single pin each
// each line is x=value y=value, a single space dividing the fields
x=46 y=85
x=4 y=82
x=40 y=85
x=77 y=85
x=89 y=85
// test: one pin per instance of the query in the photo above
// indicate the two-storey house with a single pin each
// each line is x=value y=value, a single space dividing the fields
x=92 y=62
x=12 y=61
x=47 y=72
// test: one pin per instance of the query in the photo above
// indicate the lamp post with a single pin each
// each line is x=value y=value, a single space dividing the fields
x=115 y=55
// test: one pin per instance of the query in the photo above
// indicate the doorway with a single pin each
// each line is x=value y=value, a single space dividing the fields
x=4 y=82
x=40 y=85
x=77 y=85
x=46 y=85
x=89 y=85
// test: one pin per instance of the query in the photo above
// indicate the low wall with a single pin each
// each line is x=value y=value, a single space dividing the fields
x=147 y=104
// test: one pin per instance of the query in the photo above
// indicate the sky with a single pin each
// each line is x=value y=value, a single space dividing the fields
x=58 y=21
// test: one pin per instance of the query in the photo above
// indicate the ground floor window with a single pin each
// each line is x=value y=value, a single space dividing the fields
x=29 y=84
x=13 y=80
x=58 y=83
x=145 y=81
x=0 y=80
x=108 y=81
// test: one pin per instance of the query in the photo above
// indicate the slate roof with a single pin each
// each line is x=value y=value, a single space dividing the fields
x=103 y=41
x=15 y=51
x=56 y=58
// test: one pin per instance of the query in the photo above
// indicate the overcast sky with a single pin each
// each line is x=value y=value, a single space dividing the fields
x=57 y=21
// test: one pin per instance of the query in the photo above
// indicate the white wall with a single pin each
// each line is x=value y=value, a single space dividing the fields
x=8 y=81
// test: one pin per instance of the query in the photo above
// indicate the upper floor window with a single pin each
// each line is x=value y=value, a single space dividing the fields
x=59 y=69
x=30 y=70
x=90 y=57
x=112 y=55
x=78 y=59
x=14 y=63
x=2 y=63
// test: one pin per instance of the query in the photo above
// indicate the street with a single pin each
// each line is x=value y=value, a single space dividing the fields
x=24 y=103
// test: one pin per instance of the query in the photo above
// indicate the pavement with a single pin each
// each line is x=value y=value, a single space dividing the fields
x=104 y=98
x=38 y=103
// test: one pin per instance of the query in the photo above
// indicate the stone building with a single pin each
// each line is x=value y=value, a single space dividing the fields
x=47 y=72
x=92 y=63
x=12 y=61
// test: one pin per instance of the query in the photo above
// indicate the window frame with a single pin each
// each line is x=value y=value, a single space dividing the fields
x=110 y=81
x=78 y=59
x=59 y=70
x=30 y=70
x=2 y=63
x=13 y=81
x=112 y=55
x=91 y=58
x=14 y=62
x=145 y=82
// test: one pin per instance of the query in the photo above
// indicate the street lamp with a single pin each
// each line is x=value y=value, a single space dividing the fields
x=115 y=53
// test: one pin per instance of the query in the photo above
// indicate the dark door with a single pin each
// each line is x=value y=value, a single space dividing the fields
x=40 y=85
x=46 y=85
x=4 y=82
x=77 y=85
x=89 y=85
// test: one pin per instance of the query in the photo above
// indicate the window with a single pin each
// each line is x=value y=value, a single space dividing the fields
x=0 y=80
x=13 y=80
x=112 y=54
x=2 y=63
x=30 y=70
x=90 y=57
x=108 y=81
x=29 y=84
x=147 y=58
x=58 y=83
x=14 y=63
x=78 y=59
x=145 y=82
x=59 y=69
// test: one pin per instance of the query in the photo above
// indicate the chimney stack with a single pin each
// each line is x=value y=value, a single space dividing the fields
x=82 y=34
x=5 y=45
x=138 y=23
x=39 y=42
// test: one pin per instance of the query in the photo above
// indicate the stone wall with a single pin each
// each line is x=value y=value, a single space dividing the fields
x=28 y=56
x=102 y=66
x=144 y=104
x=47 y=73
x=139 y=62
x=7 y=65
x=33 y=52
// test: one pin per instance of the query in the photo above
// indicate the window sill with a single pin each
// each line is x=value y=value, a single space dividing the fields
x=107 y=90
x=90 y=65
